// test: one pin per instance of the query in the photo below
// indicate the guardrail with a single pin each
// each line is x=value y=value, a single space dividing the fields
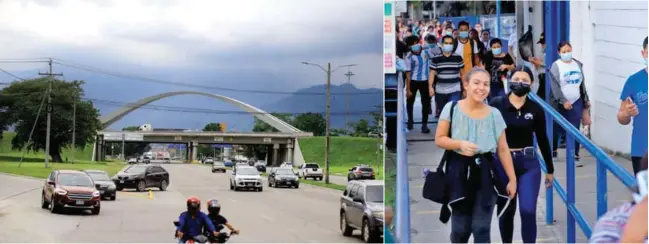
x=604 y=163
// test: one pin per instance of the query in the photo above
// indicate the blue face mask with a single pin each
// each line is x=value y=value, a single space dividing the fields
x=496 y=51
x=447 y=48
x=432 y=45
x=415 y=48
x=464 y=34
x=566 y=56
x=449 y=33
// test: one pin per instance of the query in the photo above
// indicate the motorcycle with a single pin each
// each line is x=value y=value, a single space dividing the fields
x=206 y=237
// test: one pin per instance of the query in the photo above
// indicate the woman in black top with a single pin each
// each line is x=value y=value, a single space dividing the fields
x=498 y=63
x=524 y=119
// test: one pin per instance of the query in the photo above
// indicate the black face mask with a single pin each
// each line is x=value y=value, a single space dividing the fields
x=519 y=89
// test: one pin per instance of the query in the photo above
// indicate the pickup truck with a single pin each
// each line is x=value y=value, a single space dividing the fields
x=310 y=170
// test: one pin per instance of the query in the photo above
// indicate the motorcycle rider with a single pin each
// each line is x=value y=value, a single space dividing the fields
x=218 y=220
x=193 y=221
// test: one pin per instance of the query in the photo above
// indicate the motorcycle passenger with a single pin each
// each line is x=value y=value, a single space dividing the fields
x=218 y=220
x=193 y=221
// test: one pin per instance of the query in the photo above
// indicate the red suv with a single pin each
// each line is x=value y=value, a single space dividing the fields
x=70 y=189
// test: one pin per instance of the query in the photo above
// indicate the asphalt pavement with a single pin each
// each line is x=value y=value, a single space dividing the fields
x=281 y=215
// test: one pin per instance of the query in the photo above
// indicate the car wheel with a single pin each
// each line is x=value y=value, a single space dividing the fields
x=368 y=235
x=269 y=185
x=349 y=179
x=260 y=189
x=320 y=178
x=95 y=211
x=113 y=198
x=231 y=186
x=119 y=188
x=297 y=186
x=163 y=185
x=344 y=227
x=44 y=203
x=53 y=207
x=141 y=186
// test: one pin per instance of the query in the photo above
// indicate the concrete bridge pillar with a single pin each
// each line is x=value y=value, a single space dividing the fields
x=275 y=154
x=194 y=150
x=289 y=155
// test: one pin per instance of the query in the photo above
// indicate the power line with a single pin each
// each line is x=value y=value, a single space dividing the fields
x=166 y=82
x=11 y=74
x=206 y=111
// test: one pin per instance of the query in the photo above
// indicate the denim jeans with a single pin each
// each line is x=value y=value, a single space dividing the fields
x=477 y=223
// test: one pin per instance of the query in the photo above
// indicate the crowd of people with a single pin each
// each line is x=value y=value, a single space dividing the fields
x=487 y=123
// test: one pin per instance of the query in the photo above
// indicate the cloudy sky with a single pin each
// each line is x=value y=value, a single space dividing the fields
x=252 y=44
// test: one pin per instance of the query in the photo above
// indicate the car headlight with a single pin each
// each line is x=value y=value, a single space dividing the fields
x=111 y=187
x=95 y=194
x=60 y=191
x=378 y=214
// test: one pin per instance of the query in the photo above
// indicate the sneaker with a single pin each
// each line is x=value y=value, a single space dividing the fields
x=577 y=162
x=410 y=126
x=425 y=130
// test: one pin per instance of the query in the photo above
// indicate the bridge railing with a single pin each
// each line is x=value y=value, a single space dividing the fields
x=604 y=164
x=402 y=195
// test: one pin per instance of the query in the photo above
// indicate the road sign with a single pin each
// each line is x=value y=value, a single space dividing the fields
x=218 y=138
x=268 y=139
x=178 y=138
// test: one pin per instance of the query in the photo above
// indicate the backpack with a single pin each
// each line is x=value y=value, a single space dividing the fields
x=471 y=43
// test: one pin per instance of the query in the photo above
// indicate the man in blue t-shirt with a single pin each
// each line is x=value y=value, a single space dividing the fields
x=634 y=105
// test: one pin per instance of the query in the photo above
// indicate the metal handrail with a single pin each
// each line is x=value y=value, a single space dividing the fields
x=402 y=195
x=604 y=162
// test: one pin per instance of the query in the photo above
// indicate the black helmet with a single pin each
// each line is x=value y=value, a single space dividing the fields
x=213 y=207
x=193 y=204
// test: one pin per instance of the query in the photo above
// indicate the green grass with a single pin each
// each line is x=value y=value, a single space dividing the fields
x=10 y=155
x=322 y=184
x=33 y=163
x=391 y=179
x=345 y=152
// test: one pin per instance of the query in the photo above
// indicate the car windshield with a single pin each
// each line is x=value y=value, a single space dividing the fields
x=247 y=171
x=284 y=172
x=99 y=176
x=374 y=193
x=135 y=169
x=311 y=166
x=66 y=179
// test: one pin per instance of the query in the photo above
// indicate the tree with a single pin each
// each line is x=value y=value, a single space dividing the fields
x=131 y=128
x=19 y=103
x=261 y=126
x=311 y=122
x=213 y=127
x=377 y=120
x=361 y=128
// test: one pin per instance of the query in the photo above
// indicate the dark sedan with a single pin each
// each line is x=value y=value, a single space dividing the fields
x=104 y=184
x=141 y=177
x=283 y=177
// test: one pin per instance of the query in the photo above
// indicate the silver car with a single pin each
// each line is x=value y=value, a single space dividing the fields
x=218 y=166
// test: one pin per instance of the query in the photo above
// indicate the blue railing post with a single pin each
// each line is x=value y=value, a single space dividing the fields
x=602 y=194
x=570 y=185
x=402 y=204
x=550 y=56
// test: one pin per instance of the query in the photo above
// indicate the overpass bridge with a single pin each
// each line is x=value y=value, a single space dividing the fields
x=284 y=143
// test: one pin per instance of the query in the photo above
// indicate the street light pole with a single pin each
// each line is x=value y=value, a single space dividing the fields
x=50 y=76
x=328 y=71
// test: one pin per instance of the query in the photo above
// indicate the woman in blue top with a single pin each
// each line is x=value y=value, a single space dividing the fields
x=477 y=132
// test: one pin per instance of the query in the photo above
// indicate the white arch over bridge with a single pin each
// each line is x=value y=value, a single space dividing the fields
x=273 y=121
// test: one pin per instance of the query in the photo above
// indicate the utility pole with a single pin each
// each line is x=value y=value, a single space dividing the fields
x=123 y=142
x=74 y=127
x=327 y=123
x=328 y=71
x=349 y=75
x=50 y=76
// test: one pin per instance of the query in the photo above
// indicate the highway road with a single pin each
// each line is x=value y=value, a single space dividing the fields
x=307 y=214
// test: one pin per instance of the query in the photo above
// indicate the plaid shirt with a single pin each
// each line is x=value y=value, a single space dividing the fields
x=610 y=226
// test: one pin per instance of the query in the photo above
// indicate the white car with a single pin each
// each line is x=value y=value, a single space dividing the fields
x=310 y=170
x=132 y=161
x=218 y=166
x=246 y=177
